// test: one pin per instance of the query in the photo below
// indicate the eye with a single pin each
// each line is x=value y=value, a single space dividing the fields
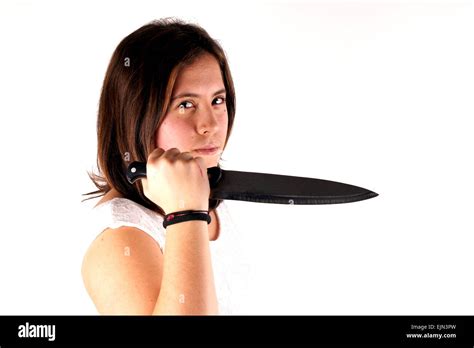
x=185 y=104
x=222 y=100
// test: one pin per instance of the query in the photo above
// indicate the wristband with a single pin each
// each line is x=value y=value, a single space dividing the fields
x=186 y=215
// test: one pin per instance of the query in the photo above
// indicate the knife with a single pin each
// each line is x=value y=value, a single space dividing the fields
x=270 y=188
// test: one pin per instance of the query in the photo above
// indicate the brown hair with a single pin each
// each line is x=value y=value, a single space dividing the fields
x=135 y=96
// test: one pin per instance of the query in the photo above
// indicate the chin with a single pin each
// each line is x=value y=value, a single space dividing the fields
x=213 y=163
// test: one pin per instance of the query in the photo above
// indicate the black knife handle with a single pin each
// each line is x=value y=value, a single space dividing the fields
x=137 y=170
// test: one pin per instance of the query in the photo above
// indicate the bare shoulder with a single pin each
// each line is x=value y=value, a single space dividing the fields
x=122 y=271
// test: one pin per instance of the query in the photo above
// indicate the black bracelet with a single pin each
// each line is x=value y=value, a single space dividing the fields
x=186 y=215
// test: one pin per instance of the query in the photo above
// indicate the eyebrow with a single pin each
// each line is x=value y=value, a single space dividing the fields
x=188 y=94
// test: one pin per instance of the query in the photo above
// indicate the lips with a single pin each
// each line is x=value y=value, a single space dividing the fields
x=207 y=147
x=208 y=150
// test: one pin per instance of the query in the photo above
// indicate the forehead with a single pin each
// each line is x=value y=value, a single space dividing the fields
x=204 y=73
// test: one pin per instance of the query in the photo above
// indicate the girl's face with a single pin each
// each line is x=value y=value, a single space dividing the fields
x=197 y=115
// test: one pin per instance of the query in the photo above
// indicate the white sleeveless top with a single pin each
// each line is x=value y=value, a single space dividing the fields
x=226 y=255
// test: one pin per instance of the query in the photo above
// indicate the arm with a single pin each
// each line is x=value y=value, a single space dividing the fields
x=179 y=282
x=188 y=283
x=125 y=272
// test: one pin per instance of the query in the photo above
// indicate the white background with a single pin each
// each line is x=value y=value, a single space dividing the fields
x=377 y=94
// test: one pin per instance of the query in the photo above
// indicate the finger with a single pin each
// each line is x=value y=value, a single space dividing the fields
x=186 y=156
x=157 y=152
x=172 y=153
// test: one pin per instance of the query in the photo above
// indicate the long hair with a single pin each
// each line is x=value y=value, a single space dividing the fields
x=135 y=96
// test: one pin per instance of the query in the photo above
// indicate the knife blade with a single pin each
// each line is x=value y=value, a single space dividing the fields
x=270 y=188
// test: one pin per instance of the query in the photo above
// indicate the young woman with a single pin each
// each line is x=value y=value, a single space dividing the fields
x=167 y=100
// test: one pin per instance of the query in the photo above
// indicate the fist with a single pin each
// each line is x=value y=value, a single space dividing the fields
x=176 y=181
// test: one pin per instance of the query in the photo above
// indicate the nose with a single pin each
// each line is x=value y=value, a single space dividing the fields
x=207 y=121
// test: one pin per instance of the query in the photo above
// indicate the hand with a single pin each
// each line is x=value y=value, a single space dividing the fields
x=176 y=181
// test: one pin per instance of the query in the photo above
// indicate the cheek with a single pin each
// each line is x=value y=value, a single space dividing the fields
x=169 y=135
x=223 y=124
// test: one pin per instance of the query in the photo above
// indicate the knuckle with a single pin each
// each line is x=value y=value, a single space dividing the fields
x=171 y=153
x=150 y=156
x=151 y=163
x=173 y=150
x=186 y=155
x=156 y=153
